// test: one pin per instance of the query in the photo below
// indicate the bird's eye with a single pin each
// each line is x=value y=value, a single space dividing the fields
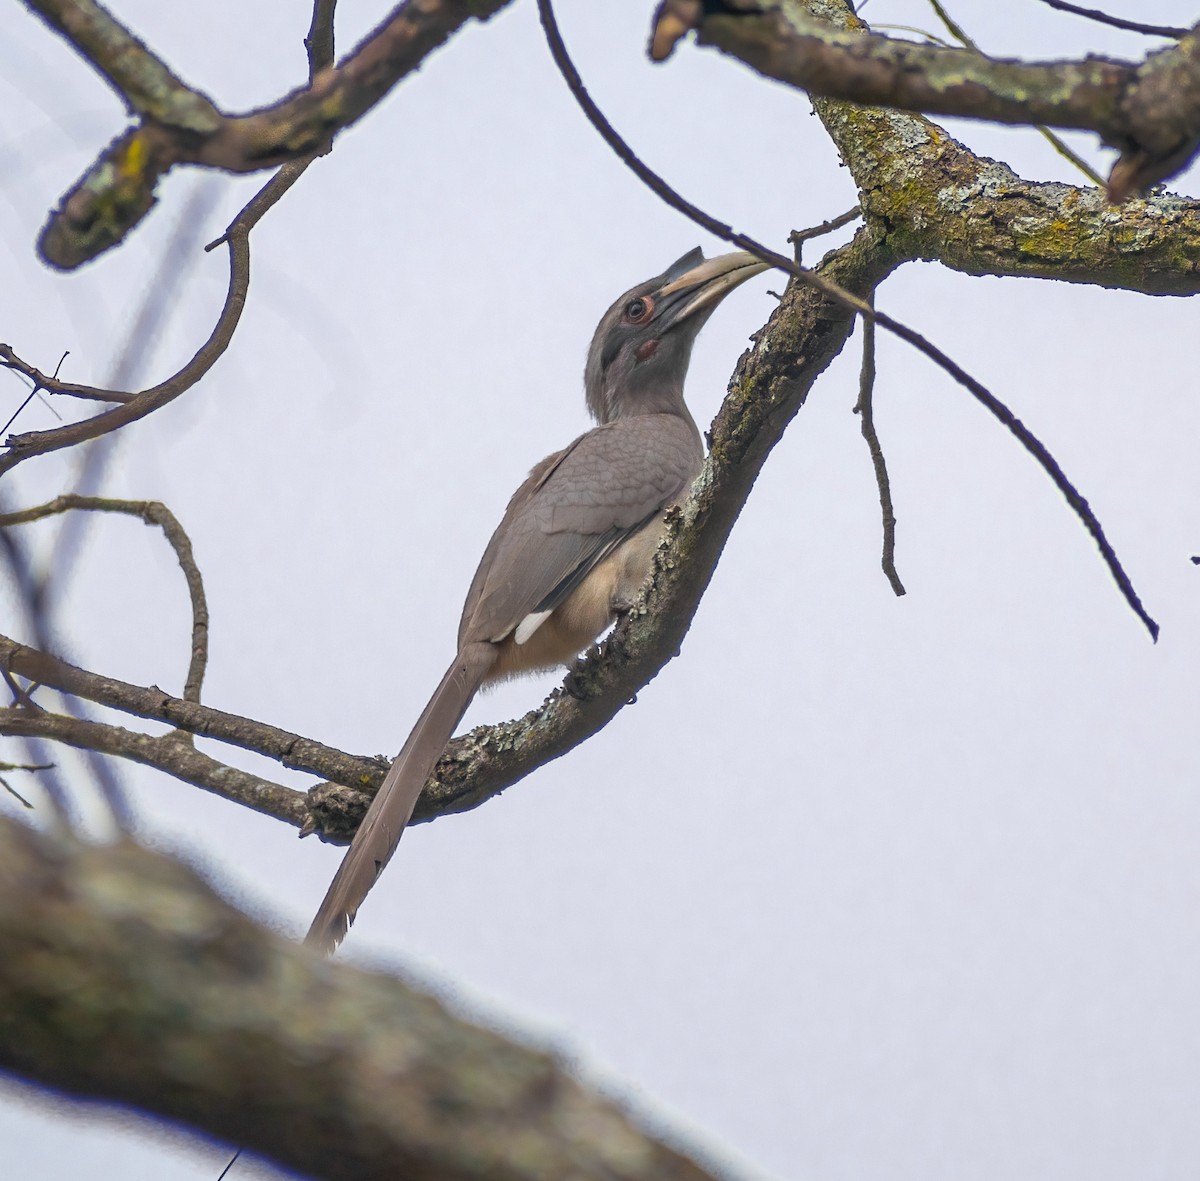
x=637 y=311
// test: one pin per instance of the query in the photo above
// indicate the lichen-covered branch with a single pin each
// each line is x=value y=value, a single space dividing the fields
x=325 y=1069
x=941 y=202
x=1150 y=110
x=935 y=199
x=180 y=125
x=142 y=80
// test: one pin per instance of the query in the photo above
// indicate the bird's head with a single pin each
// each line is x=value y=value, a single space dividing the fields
x=640 y=353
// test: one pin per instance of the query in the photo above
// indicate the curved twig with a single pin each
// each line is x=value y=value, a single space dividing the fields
x=152 y=512
x=1117 y=22
x=237 y=236
x=23 y=446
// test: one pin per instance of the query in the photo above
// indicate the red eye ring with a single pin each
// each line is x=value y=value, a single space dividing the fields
x=639 y=309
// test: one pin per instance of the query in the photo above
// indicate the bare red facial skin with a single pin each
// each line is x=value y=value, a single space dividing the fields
x=647 y=349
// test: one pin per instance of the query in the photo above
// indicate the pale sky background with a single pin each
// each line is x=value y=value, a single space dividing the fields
x=860 y=887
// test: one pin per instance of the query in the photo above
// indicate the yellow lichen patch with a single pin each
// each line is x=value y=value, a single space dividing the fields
x=1044 y=239
x=132 y=162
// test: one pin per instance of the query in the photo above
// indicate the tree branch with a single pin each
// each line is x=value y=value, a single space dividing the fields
x=1117 y=22
x=179 y=125
x=22 y=446
x=168 y=753
x=1150 y=110
x=43 y=381
x=865 y=409
x=326 y=1069
x=291 y=750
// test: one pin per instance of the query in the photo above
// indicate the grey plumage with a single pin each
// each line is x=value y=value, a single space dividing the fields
x=575 y=542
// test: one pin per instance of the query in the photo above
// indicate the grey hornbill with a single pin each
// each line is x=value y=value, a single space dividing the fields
x=575 y=544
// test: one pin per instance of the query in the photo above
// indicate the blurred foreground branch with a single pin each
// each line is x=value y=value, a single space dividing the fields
x=323 y=1068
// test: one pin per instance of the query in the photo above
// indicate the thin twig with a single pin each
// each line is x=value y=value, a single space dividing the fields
x=21 y=695
x=43 y=381
x=236 y=236
x=864 y=408
x=20 y=409
x=319 y=42
x=22 y=447
x=1117 y=22
x=166 y=753
x=798 y=237
x=12 y=791
x=832 y=291
x=1064 y=149
x=152 y=512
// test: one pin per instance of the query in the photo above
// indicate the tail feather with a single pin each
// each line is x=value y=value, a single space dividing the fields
x=381 y=828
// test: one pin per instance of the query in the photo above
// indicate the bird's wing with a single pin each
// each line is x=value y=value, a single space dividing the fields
x=574 y=509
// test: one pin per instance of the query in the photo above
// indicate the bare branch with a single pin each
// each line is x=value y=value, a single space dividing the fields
x=865 y=409
x=168 y=753
x=1117 y=22
x=798 y=237
x=319 y=42
x=12 y=791
x=23 y=446
x=43 y=381
x=292 y=750
x=322 y=1067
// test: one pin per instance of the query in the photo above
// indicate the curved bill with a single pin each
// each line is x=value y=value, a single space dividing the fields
x=710 y=281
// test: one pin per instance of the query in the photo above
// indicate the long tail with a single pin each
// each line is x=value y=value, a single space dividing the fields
x=381 y=828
